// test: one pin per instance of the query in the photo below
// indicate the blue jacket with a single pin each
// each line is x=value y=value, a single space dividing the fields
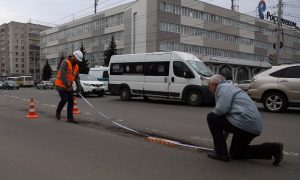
x=238 y=107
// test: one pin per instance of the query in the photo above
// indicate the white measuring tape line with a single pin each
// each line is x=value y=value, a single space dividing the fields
x=103 y=115
x=148 y=136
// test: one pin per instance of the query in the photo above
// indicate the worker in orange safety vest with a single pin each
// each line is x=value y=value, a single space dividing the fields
x=68 y=73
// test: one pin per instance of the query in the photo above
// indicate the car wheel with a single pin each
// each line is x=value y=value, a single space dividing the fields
x=146 y=98
x=275 y=102
x=125 y=94
x=100 y=94
x=194 y=98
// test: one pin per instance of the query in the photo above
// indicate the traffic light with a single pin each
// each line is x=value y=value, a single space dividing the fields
x=281 y=45
x=272 y=58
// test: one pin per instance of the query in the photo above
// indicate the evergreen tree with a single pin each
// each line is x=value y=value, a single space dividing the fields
x=111 y=50
x=47 y=72
x=83 y=65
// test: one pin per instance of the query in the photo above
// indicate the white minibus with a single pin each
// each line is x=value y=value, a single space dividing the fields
x=172 y=75
x=101 y=74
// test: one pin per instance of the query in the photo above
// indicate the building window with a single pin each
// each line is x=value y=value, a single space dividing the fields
x=189 y=12
x=171 y=46
x=193 y=31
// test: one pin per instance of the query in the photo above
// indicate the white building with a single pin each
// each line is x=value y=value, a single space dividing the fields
x=233 y=44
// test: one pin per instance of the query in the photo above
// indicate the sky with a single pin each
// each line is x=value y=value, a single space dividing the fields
x=57 y=12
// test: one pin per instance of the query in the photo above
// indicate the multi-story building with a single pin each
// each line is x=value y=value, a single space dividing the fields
x=231 y=43
x=19 y=46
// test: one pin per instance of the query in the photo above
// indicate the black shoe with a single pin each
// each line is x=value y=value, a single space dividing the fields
x=72 y=121
x=220 y=157
x=57 y=115
x=277 y=153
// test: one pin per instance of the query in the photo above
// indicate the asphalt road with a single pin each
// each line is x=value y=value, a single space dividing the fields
x=45 y=148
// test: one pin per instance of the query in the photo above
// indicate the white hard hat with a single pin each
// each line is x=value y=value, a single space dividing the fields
x=78 y=55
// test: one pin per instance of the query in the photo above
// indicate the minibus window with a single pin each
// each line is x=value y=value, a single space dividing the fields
x=200 y=68
x=157 y=68
x=179 y=68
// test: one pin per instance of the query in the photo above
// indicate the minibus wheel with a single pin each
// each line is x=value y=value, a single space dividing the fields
x=125 y=94
x=194 y=98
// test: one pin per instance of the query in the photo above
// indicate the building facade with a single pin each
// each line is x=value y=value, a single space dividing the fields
x=233 y=44
x=19 y=46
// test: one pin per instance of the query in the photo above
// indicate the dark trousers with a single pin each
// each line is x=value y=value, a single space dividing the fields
x=66 y=96
x=240 y=145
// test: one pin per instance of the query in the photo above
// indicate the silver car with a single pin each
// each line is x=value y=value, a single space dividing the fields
x=277 y=88
x=45 y=85
x=244 y=85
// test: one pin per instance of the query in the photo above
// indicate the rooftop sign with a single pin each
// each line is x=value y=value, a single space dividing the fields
x=283 y=21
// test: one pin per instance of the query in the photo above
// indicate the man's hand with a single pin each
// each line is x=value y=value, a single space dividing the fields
x=69 y=83
x=80 y=90
x=69 y=89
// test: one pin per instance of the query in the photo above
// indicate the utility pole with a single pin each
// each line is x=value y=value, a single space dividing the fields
x=41 y=69
x=96 y=4
x=277 y=60
x=34 y=77
x=235 y=5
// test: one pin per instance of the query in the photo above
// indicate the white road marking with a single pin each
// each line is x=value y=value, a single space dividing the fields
x=290 y=153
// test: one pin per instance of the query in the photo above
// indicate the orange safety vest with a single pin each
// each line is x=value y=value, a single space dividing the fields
x=71 y=74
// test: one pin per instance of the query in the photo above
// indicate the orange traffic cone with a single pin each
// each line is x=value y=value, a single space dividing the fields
x=32 y=114
x=75 y=108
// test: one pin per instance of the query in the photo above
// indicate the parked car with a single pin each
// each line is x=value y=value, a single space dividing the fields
x=10 y=85
x=90 y=85
x=1 y=84
x=232 y=82
x=45 y=85
x=244 y=84
x=277 y=88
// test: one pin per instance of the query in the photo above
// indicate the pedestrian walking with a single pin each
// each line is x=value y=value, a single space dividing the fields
x=236 y=113
x=67 y=74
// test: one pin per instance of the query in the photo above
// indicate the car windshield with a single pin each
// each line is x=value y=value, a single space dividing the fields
x=86 y=77
x=200 y=68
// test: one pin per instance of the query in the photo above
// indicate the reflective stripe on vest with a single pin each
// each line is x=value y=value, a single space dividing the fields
x=70 y=76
